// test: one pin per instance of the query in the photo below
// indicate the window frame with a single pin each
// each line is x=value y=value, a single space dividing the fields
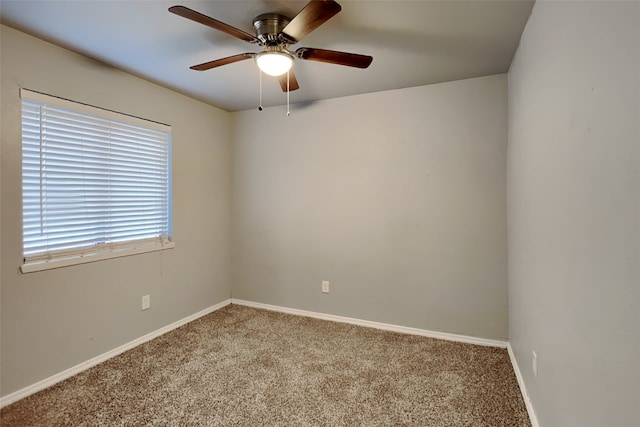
x=81 y=255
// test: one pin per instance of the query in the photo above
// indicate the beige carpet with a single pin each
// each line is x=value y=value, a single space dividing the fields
x=246 y=367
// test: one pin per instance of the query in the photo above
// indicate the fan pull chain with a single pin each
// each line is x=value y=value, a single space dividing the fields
x=288 y=112
x=260 y=104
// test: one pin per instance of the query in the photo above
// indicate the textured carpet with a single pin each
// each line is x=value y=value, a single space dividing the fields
x=246 y=367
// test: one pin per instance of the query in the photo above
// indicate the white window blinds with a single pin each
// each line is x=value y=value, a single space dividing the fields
x=94 y=182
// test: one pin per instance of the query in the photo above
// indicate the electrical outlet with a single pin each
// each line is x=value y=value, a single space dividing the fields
x=534 y=362
x=325 y=286
x=146 y=302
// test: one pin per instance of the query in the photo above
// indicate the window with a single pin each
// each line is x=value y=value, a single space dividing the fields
x=95 y=184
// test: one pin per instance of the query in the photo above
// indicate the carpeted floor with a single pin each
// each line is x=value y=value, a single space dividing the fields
x=241 y=366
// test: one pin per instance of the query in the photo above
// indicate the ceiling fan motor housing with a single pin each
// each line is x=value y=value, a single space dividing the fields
x=268 y=27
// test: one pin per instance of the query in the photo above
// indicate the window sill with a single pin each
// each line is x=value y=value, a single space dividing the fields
x=49 y=264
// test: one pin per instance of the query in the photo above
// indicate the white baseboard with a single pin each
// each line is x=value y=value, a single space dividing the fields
x=67 y=373
x=376 y=325
x=523 y=388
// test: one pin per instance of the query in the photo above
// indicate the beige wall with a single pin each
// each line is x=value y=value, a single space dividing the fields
x=55 y=319
x=397 y=198
x=574 y=212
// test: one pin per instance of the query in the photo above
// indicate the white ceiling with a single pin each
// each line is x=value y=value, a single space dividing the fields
x=413 y=43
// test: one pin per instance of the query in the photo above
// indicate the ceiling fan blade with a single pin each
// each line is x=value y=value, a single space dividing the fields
x=314 y=14
x=293 y=82
x=185 y=12
x=222 y=61
x=334 y=57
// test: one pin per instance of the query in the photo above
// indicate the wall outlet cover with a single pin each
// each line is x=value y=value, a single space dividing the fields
x=146 y=302
x=325 y=286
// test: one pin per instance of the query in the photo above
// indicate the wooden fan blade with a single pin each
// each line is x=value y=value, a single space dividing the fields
x=185 y=12
x=222 y=61
x=293 y=82
x=314 y=14
x=334 y=57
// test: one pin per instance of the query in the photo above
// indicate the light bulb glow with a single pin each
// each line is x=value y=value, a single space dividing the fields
x=274 y=63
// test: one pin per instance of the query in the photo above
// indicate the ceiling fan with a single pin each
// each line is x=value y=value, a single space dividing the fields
x=274 y=33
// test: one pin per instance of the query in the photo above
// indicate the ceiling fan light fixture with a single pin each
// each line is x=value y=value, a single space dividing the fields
x=274 y=63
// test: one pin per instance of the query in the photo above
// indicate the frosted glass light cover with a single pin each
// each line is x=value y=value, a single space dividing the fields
x=274 y=63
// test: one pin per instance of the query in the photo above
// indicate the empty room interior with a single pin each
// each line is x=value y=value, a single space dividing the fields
x=460 y=191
